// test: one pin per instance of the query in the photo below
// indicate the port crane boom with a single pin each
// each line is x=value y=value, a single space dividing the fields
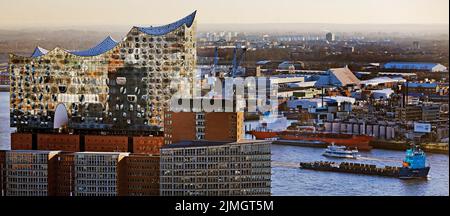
x=237 y=60
x=216 y=60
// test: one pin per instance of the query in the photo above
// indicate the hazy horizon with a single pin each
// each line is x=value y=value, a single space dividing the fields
x=54 y=14
x=269 y=28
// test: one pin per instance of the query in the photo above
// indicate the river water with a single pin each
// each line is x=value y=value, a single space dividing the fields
x=5 y=138
x=289 y=180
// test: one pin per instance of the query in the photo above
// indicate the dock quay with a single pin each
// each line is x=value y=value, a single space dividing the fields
x=438 y=148
x=356 y=168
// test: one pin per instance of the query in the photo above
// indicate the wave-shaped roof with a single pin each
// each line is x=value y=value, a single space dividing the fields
x=161 y=30
x=110 y=43
x=39 y=51
x=102 y=47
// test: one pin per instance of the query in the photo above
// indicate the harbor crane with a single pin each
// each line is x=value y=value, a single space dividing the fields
x=216 y=60
x=237 y=59
x=238 y=56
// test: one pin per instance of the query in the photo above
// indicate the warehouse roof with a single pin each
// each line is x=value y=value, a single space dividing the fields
x=337 y=77
x=382 y=93
x=411 y=65
x=423 y=85
x=381 y=80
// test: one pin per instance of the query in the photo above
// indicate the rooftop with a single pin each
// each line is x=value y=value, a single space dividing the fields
x=418 y=64
x=424 y=85
x=337 y=77
x=102 y=153
x=411 y=65
x=33 y=151
x=341 y=99
x=161 y=30
x=109 y=43
x=199 y=143
x=387 y=91
x=380 y=80
x=104 y=46
x=38 y=51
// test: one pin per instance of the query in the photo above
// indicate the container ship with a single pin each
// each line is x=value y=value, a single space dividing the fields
x=361 y=142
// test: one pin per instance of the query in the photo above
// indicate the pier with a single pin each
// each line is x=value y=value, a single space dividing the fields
x=437 y=148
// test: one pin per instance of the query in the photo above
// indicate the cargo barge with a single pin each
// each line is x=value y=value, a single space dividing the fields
x=413 y=167
x=356 y=168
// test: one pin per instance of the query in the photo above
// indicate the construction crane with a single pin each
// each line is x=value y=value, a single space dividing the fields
x=237 y=60
x=216 y=60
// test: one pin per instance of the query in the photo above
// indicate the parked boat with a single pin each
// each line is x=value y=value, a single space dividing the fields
x=340 y=152
x=348 y=140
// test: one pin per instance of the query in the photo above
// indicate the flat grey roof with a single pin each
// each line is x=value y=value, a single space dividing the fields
x=201 y=143
x=33 y=151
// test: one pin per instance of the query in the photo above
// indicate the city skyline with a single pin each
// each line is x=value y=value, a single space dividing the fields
x=23 y=13
x=170 y=98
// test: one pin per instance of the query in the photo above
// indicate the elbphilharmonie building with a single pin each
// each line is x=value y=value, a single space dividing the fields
x=114 y=86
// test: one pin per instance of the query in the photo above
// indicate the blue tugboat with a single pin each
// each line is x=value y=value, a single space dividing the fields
x=414 y=165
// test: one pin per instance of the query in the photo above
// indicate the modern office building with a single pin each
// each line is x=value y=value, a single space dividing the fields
x=140 y=176
x=202 y=168
x=330 y=37
x=30 y=173
x=425 y=88
x=431 y=111
x=97 y=173
x=409 y=113
x=116 y=86
x=56 y=173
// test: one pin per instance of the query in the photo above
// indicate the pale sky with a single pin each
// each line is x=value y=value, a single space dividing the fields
x=23 y=13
